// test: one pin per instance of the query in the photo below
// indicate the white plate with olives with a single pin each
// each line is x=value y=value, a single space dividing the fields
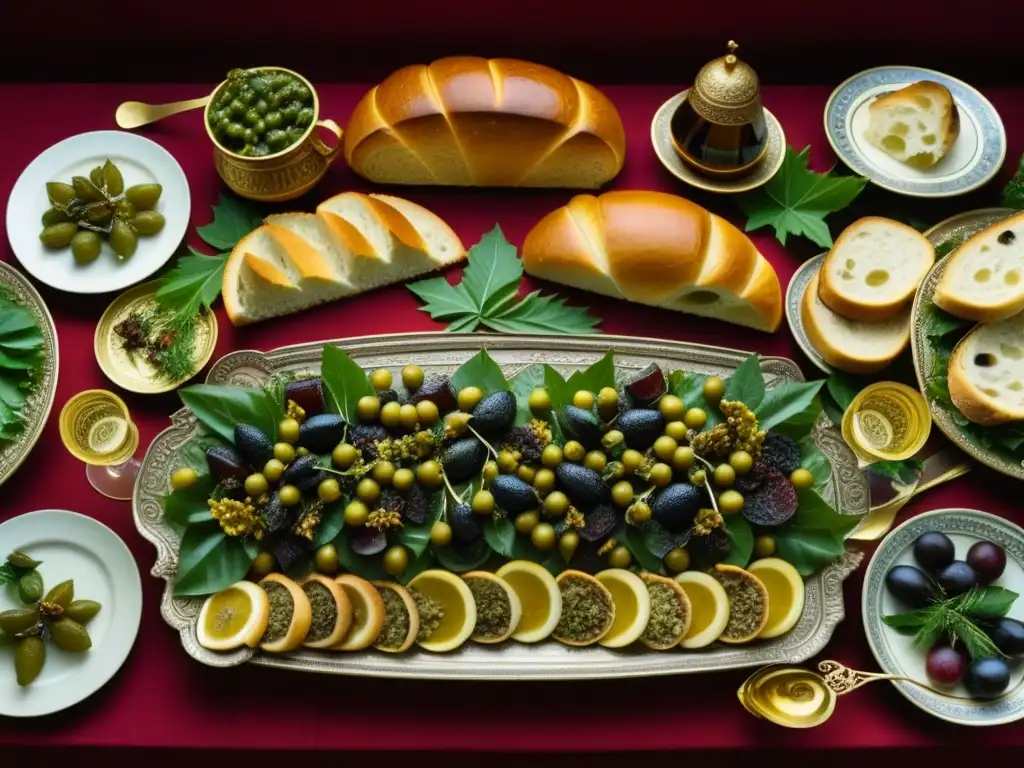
x=81 y=632
x=98 y=212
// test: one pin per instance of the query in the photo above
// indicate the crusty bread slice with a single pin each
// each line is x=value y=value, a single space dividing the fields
x=305 y=243
x=916 y=125
x=986 y=373
x=984 y=277
x=429 y=232
x=256 y=284
x=851 y=345
x=874 y=269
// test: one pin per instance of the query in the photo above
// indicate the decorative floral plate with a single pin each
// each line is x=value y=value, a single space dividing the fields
x=794 y=296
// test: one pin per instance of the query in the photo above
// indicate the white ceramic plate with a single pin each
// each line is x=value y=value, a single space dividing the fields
x=140 y=161
x=975 y=157
x=896 y=653
x=72 y=546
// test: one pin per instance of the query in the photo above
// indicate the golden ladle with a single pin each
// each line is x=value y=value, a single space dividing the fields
x=796 y=697
x=133 y=114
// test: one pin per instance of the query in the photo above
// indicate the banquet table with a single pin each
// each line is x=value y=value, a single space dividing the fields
x=163 y=699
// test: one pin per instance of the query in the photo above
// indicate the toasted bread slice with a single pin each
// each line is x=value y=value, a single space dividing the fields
x=916 y=125
x=986 y=373
x=874 y=269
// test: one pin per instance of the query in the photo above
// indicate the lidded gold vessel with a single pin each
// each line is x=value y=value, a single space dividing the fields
x=720 y=128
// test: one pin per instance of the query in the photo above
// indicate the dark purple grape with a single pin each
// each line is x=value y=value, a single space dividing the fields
x=957 y=578
x=934 y=551
x=945 y=665
x=988 y=561
x=910 y=586
x=986 y=678
x=1008 y=635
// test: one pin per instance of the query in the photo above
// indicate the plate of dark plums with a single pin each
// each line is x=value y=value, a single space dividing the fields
x=942 y=605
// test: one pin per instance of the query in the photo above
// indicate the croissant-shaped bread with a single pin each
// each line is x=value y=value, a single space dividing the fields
x=468 y=121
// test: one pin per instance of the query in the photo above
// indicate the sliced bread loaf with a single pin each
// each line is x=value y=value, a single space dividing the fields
x=916 y=125
x=984 y=277
x=986 y=373
x=874 y=269
x=851 y=345
x=256 y=282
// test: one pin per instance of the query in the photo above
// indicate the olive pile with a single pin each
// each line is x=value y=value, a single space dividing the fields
x=88 y=208
x=258 y=113
x=55 y=615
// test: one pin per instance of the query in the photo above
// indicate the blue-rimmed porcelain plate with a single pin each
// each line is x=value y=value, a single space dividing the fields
x=896 y=653
x=975 y=157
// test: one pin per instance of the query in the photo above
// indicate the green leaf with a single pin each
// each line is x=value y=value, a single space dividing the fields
x=194 y=282
x=842 y=389
x=808 y=549
x=220 y=408
x=599 y=375
x=746 y=384
x=188 y=506
x=960 y=627
x=210 y=561
x=462 y=558
x=344 y=382
x=500 y=534
x=195 y=451
x=444 y=301
x=939 y=323
x=815 y=462
x=814 y=512
x=900 y=471
x=369 y=567
x=788 y=400
x=233 y=219
x=480 y=371
x=557 y=387
x=527 y=380
x=633 y=538
x=907 y=623
x=1013 y=192
x=493 y=269
x=8 y=575
x=742 y=537
x=417 y=537
x=332 y=520
x=986 y=602
x=689 y=387
x=796 y=200
x=541 y=314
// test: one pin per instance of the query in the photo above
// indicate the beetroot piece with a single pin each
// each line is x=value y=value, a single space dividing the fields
x=773 y=504
x=308 y=394
x=368 y=541
x=647 y=385
x=437 y=390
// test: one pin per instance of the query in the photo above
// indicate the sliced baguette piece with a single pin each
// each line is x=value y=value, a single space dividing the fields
x=986 y=373
x=851 y=345
x=984 y=277
x=433 y=234
x=307 y=245
x=256 y=281
x=874 y=269
x=916 y=125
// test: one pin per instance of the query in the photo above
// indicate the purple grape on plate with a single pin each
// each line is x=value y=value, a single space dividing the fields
x=945 y=665
x=957 y=578
x=987 y=678
x=933 y=551
x=988 y=561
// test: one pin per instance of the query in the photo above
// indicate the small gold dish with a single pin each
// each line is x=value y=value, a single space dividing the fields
x=282 y=176
x=131 y=371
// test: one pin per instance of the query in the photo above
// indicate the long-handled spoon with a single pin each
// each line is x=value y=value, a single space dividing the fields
x=133 y=114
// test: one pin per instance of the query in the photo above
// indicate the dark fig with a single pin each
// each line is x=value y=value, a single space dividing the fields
x=368 y=541
x=416 y=503
x=226 y=463
x=437 y=390
x=463 y=459
x=303 y=473
x=676 y=506
x=291 y=550
x=467 y=526
x=254 y=445
x=512 y=495
x=1008 y=635
x=583 y=486
x=387 y=396
x=582 y=426
x=647 y=385
x=600 y=522
x=933 y=551
x=640 y=427
x=707 y=551
x=308 y=394
x=781 y=453
x=494 y=414
x=773 y=503
x=957 y=578
x=910 y=586
x=320 y=434
x=365 y=436
x=276 y=517
x=987 y=678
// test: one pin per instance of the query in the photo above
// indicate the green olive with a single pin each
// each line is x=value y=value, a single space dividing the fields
x=96 y=176
x=289 y=113
x=567 y=544
x=70 y=636
x=676 y=430
x=85 y=190
x=583 y=399
x=556 y=504
x=247 y=95
x=86 y=246
x=440 y=533
x=525 y=522
x=53 y=216
x=82 y=611
x=383 y=472
x=29 y=657
x=59 y=235
x=632 y=460
x=671 y=408
x=305 y=117
x=59 y=192
x=469 y=397
x=622 y=494
x=483 y=502
x=147 y=222
x=551 y=456
x=640 y=513
x=677 y=560
x=507 y=462
x=403 y=480
x=122 y=239
x=741 y=461
x=595 y=460
x=412 y=377
x=665 y=448
x=714 y=389
x=490 y=471
x=112 y=179
x=368 y=490
x=544 y=481
x=574 y=451
x=289 y=495
x=620 y=557
x=661 y=475
x=356 y=514
x=124 y=210
x=327 y=559
x=251 y=116
x=764 y=546
x=302 y=92
x=277 y=139
x=259 y=128
x=543 y=536
x=730 y=502
x=695 y=418
x=273 y=470
x=539 y=401
x=144 y=196
x=683 y=457
x=256 y=485
x=396 y=559
x=344 y=455
x=428 y=474
x=99 y=213
x=237 y=108
x=607 y=402
x=368 y=408
x=262 y=565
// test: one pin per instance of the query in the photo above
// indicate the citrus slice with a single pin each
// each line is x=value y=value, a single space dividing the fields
x=709 y=606
x=332 y=611
x=539 y=596
x=498 y=609
x=367 y=613
x=632 y=607
x=671 y=612
x=748 y=603
x=446 y=608
x=401 y=618
x=290 y=614
x=233 y=618
x=785 y=594
x=588 y=610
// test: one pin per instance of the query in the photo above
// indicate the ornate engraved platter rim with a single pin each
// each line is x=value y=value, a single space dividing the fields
x=548 y=660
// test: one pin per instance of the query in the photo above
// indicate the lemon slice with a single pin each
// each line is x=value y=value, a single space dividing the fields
x=709 y=606
x=332 y=611
x=499 y=615
x=632 y=607
x=446 y=607
x=367 y=613
x=588 y=610
x=290 y=614
x=748 y=603
x=670 y=612
x=235 y=617
x=401 y=618
x=785 y=594
x=539 y=596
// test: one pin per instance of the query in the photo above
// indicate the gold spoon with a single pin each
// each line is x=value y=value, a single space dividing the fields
x=796 y=697
x=133 y=114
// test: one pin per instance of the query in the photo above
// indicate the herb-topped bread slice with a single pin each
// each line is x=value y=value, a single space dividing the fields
x=588 y=610
x=332 y=611
x=986 y=373
x=874 y=269
x=497 y=607
x=984 y=277
x=916 y=125
x=671 y=613
x=290 y=614
x=401 y=618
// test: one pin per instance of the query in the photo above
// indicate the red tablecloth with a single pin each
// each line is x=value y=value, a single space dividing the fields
x=161 y=698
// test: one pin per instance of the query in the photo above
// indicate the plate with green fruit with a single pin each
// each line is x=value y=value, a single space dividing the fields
x=70 y=604
x=940 y=606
